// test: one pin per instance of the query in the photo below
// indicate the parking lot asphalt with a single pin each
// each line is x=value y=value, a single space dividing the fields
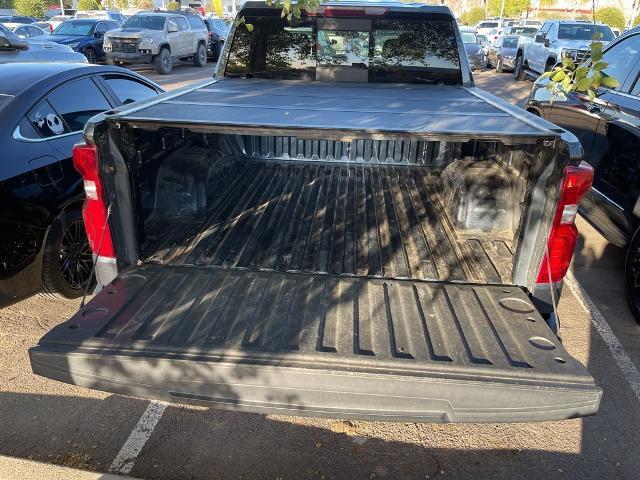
x=56 y=423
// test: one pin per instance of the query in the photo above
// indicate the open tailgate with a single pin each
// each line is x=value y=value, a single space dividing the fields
x=319 y=345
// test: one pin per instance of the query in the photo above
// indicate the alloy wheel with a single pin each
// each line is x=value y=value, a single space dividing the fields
x=76 y=261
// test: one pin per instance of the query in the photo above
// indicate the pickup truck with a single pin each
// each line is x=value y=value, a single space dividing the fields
x=555 y=40
x=339 y=224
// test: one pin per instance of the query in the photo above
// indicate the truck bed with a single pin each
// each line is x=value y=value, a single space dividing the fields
x=365 y=221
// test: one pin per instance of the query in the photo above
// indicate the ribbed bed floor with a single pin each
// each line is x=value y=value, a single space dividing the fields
x=369 y=221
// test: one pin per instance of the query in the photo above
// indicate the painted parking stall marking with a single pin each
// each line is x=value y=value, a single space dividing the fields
x=124 y=461
x=621 y=357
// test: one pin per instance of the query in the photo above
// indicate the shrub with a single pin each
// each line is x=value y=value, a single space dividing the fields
x=31 y=8
x=473 y=16
x=173 y=6
x=612 y=16
x=146 y=4
x=88 y=5
x=512 y=8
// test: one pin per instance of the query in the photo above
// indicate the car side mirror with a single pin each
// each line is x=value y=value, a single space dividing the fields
x=547 y=42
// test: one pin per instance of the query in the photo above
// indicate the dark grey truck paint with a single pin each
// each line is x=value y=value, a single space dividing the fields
x=363 y=251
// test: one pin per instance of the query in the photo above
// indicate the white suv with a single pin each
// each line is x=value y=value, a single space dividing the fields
x=159 y=38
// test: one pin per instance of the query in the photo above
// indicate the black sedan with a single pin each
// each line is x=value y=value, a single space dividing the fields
x=43 y=109
x=218 y=31
x=609 y=129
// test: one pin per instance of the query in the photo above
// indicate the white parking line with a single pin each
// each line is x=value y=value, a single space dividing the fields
x=124 y=461
x=621 y=357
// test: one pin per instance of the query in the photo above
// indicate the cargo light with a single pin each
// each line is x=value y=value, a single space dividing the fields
x=94 y=210
x=576 y=182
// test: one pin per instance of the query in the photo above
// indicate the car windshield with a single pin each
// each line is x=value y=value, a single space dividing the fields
x=151 y=22
x=488 y=25
x=71 y=27
x=416 y=51
x=510 y=43
x=524 y=31
x=469 y=37
x=584 y=31
x=218 y=26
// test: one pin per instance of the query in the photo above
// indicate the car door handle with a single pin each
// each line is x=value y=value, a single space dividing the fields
x=594 y=108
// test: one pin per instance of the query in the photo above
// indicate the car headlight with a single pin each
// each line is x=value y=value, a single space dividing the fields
x=147 y=40
x=73 y=45
x=568 y=52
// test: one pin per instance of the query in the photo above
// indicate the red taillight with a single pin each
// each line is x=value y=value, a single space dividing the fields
x=576 y=183
x=94 y=211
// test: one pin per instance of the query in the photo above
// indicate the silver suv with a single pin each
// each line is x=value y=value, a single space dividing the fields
x=555 y=40
x=158 y=38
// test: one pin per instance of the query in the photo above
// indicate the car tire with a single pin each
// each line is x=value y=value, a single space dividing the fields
x=67 y=261
x=632 y=275
x=549 y=66
x=519 y=72
x=499 y=68
x=200 y=58
x=163 y=62
x=217 y=49
x=92 y=56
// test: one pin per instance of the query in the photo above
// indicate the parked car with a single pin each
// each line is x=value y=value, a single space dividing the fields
x=494 y=33
x=609 y=130
x=159 y=38
x=485 y=26
x=43 y=109
x=556 y=39
x=26 y=31
x=218 y=31
x=502 y=54
x=521 y=31
x=328 y=229
x=17 y=19
x=85 y=36
x=112 y=15
x=14 y=49
x=475 y=51
x=58 y=19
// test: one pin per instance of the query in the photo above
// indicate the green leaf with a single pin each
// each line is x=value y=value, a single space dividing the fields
x=596 y=51
x=566 y=83
x=581 y=73
x=249 y=26
x=596 y=79
x=610 y=82
x=583 y=84
x=592 y=95
x=567 y=62
x=546 y=74
x=558 y=76
x=600 y=65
